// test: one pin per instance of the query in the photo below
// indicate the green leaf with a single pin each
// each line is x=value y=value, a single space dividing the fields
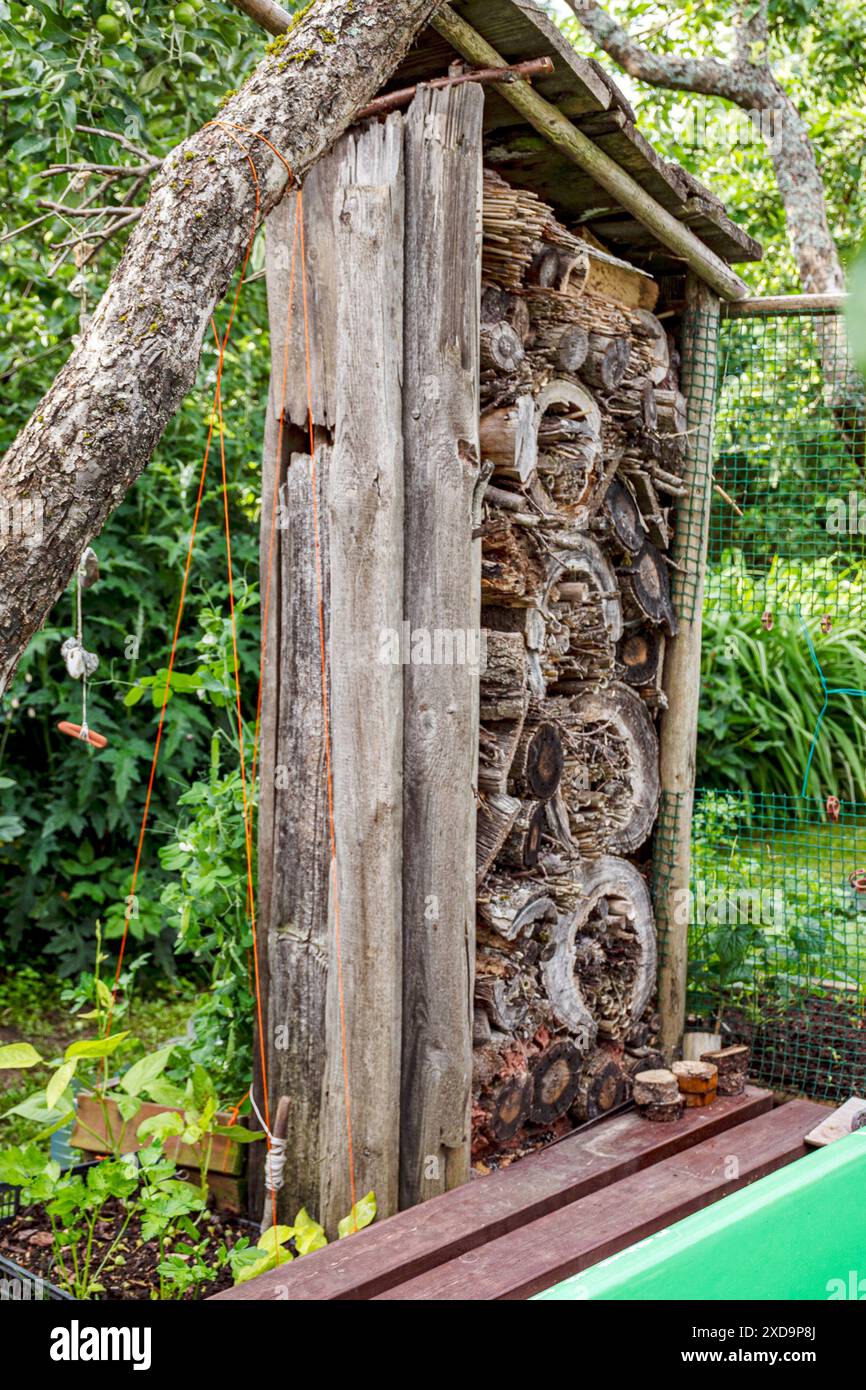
x=96 y=1047
x=168 y=1125
x=280 y=1234
x=362 y=1213
x=34 y=1108
x=309 y=1235
x=164 y=1092
x=267 y=1262
x=15 y=1055
x=239 y=1134
x=58 y=1083
x=142 y=1073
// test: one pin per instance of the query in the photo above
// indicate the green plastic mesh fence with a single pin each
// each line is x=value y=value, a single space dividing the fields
x=776 y=919
x=787 y=527
x=700 y=339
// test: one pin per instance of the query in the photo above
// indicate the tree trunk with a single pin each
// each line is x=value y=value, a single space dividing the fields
x=97 y=427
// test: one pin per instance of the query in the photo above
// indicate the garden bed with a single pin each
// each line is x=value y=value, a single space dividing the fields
x=27 y=1250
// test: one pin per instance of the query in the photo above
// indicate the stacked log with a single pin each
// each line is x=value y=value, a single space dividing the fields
x=582 y=432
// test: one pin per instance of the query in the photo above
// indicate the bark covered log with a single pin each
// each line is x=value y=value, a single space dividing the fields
x=98 y=425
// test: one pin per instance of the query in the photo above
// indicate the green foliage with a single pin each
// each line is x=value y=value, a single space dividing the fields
x=195 y=1117
x=69 y=817
x=281 y=1244
x=782 y=456
x=146 y=1186
x=771 y=904
x=761 y=693
x=206 y=901
x=818 y=52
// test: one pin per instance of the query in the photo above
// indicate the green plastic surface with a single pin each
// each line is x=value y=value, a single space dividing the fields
x=798 y=1234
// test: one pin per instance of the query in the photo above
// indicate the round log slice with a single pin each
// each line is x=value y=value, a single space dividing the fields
x=555 y=1076
x=621 y=708
x=603 y=1085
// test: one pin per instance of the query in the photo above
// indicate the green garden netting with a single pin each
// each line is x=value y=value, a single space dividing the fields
x=787 y=526
x=776 y=913
x=776 y=916
x=777 y=936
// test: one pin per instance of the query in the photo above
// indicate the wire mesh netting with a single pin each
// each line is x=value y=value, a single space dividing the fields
x=700 y=342
x=787 y=527
x=777 y=950
x=776 y=916
x=776 y=909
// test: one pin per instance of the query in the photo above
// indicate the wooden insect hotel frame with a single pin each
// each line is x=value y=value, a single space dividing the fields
x=514 y=303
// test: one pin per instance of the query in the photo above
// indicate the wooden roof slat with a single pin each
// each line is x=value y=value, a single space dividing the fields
x=515 y=26
x=588 y=96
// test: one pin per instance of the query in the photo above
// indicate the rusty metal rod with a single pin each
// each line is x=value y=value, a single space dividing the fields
x=393 y=101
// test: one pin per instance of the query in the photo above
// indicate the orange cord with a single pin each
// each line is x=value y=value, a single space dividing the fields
x=248 y=796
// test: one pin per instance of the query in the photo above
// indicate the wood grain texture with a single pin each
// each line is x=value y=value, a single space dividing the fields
x=457 y=1222
x=287 y=369
x=294 y=851
x=366 y=567
x=520 y=1264
x=682 y=676
x=354 y=217
x=442 y=592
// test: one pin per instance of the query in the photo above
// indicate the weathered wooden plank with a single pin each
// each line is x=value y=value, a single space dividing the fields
x=538 y=1255
x=294 y=851
x=786 y=304
x=275 y=452
x=288 y=375
x=442 y=593
x=682 y=675
x=366 y=567
x=484 y=1209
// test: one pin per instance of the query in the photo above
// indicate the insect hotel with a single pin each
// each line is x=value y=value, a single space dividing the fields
x=492 y=479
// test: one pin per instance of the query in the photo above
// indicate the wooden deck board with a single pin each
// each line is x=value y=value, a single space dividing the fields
x=568 y=1240
x=416 y=1241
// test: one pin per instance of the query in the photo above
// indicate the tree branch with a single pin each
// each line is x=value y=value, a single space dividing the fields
x=97 y=427
x=706 y=76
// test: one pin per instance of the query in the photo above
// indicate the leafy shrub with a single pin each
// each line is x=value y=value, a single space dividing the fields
x=761 y=694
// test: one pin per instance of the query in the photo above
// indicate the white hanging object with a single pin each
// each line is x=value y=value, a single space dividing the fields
x=79 y=662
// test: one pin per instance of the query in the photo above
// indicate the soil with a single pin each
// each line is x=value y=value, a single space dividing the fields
x=26 y=1240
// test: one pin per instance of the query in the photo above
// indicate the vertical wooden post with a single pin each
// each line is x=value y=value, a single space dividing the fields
x=293 y=828
x=354 y=229
x=442 y=596
x=363 y=1024
x=682 y=680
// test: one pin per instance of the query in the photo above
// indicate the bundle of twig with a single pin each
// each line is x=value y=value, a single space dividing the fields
x=513 y=222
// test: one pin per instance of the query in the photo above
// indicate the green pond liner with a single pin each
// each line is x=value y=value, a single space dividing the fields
x=798 y=1234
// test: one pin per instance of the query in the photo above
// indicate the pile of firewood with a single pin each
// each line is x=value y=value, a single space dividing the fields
x=583 y=430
